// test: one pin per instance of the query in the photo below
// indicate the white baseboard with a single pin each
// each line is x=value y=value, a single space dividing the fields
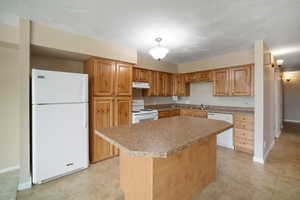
x=25 y=185
x=278 y=134
x=291 y=120
x=9 y=169
x=262 y=160
x=258 y=160
x=268 y=151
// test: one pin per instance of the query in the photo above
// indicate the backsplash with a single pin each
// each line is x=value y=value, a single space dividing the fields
x=201 y=93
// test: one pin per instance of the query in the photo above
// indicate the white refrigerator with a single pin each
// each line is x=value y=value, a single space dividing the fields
x=59 y=124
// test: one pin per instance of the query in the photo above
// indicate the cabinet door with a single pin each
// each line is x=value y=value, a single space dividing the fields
x=103 y=77
x=136 y=74
x=169 y=85
x=221 y=82
x=161 y=85
x=240 y=79
x=144 y=75
x=156 y=85
x=122 y=116
x=102 y=110
x=123 y=79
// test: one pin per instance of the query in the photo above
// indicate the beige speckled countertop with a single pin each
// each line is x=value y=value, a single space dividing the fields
x=161 y=138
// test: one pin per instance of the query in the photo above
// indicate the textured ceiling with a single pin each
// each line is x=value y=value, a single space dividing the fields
x=191 y=29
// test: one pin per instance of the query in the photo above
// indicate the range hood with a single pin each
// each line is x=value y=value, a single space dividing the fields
x=140 y=85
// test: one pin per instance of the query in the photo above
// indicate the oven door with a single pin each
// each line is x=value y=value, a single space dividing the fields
x=143 y=117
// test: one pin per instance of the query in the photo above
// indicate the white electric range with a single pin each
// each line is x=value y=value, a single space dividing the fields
x=140 y=114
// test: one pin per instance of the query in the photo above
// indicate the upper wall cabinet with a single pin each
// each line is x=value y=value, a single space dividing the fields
x=108 y=77
x=141 y=75
x=103 y=77
x=221 y=82
x=233 y=81
x=241 y=80
x=202 y=76
x=123 y=79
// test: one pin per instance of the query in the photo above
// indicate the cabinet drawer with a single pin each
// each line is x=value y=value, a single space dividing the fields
x=244 y=125
x=244 y=117
x=243 y=133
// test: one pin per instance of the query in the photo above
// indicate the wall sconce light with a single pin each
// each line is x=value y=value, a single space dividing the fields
x=287 y=77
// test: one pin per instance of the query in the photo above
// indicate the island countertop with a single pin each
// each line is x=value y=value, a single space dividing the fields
x=161 y=138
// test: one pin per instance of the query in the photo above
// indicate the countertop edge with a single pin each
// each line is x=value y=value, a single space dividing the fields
x=157 y=154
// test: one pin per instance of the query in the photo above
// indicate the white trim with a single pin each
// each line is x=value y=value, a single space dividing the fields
x=262 y=160
x=268 y=151
x=291 y=120
x=9 y=169
x=258 y=160
x=25 y=185
x=278 y=133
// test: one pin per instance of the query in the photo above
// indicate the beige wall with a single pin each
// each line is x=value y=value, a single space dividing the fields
x=56 y=64
x=9 y=108
x=147 y=62
x=291 y=94
x=229 y=59
x=43 y=35
x=9 y=35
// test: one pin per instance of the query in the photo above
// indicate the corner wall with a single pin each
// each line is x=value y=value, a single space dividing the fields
x=10 y=109
x=264 y=102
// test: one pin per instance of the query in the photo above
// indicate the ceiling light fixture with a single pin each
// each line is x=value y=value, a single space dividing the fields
x=280 y=62
x=158 y=52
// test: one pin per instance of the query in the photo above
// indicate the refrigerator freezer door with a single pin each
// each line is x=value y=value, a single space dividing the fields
x=58 y=87
x=59 y=140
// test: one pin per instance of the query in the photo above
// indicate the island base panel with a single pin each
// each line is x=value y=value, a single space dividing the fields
x=177 y=177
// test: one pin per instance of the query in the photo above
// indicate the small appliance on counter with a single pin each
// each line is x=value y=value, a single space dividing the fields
x=140 y=114
x=59 y=124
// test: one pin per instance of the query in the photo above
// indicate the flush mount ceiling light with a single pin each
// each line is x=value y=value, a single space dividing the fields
x=158 y=52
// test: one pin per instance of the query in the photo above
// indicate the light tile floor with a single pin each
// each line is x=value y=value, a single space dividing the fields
x=238 y=177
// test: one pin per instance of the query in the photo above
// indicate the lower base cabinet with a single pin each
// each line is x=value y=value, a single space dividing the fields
x=106 y=113
x=182 y=112
x=244 y=132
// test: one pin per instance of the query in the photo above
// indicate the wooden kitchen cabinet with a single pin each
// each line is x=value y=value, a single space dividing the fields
x=221 y=82
x=168 y=113
x=110 y=92
x=241 y=80
x=102 y=117
x=123 y=79
x=140 y=75
x=233 y=81
x=201 y=76
x=244 y=132
x=101 y=76
x=122 y=114
x=180 y=87
x=168 y=84
x=193 y=113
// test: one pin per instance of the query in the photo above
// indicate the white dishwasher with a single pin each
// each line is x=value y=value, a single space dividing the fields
x=224 y=139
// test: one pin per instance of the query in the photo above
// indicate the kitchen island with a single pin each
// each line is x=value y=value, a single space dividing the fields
x=168 y=159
